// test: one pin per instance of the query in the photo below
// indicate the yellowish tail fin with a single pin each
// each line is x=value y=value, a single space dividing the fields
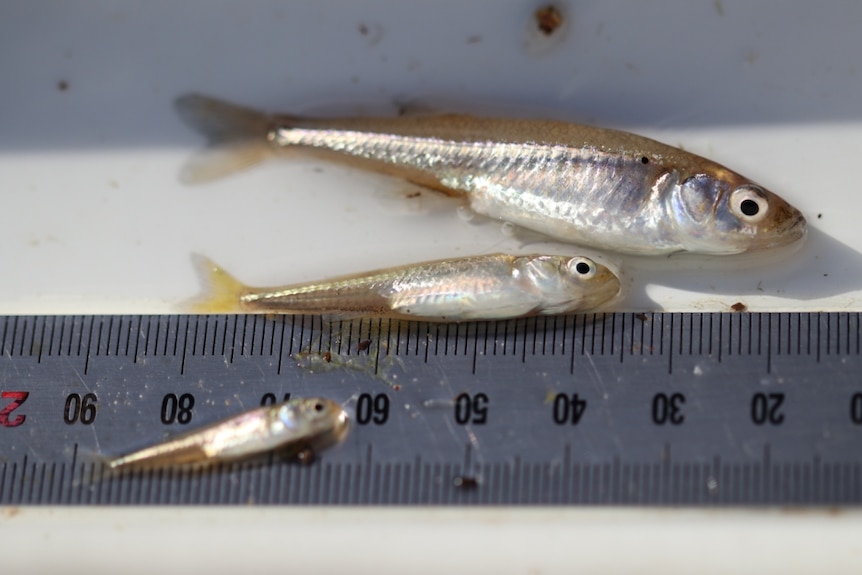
x=221 y=291
x=237 y=137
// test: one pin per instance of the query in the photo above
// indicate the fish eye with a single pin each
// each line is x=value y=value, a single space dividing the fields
x=749 y=204
x=318 y=407
x=584 y=267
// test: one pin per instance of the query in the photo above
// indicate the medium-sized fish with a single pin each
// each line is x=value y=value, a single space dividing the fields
x=590 y=186
x=295 y=429
x=497 y=286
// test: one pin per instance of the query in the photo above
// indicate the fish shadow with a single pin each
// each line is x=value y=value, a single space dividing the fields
x=822 y=267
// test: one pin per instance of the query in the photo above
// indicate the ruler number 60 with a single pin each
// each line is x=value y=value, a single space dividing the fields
x=372 y=409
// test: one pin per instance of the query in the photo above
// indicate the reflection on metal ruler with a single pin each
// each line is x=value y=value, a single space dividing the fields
x=676 y=408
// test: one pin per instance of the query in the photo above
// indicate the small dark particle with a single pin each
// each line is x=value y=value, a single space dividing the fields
x=305 y=457
x=363 y=29
x=327 y=357
x=819 y=216
x=363 y=345
x=415 y=194
x=474 y=39
x=826 y=275
x=739 y=306
x=62 y=85
x=548 y=19
x=465 y=482
x=642 y=316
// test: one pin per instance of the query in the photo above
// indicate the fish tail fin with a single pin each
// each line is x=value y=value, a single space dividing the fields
x=237 y=137
x=221 y=291
x=100 y=467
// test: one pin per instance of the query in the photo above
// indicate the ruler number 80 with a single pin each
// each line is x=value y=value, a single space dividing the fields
x=177 y=409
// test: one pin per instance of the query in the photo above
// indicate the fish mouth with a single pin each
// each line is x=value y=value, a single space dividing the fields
x=794 y=229
x=789 y=228
x=341 y=428
x=610 y=291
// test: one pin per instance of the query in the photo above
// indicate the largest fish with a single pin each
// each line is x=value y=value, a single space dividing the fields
x=590 y=186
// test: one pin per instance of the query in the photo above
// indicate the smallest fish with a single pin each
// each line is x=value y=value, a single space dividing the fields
x=484 y=287
x=295 y=429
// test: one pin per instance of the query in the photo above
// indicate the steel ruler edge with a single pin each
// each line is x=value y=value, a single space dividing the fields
x=631 y=409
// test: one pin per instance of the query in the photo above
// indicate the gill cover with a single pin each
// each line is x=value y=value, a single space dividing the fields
x=694 y=205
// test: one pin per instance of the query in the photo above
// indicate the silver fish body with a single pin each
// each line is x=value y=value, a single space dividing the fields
x=591 y=186
x=301 y=426
x=496 y=286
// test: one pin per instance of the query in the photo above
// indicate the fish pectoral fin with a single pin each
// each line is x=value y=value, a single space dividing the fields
x=237 y=137
x=221 y=291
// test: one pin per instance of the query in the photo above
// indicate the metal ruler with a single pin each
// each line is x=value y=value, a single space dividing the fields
x=632 y=409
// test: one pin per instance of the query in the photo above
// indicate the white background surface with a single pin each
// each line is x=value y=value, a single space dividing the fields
x=93 y=218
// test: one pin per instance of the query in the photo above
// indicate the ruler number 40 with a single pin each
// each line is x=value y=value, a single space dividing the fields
x=568 y=408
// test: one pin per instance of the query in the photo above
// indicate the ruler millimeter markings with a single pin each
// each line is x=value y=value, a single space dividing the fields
x=623 y=408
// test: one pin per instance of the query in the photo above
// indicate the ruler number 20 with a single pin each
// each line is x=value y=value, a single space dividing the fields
x=766 y=408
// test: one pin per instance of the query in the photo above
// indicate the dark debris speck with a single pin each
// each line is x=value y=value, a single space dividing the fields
x=548 y=19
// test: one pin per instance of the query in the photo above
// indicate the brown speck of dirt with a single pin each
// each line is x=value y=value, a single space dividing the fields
x=548 y=19
x=415 y=194
x=12 y=511
x=363 y=345
x=62 y=85
x=642 y=316
x=327 y=357
x=465 y=482
x=739 y=306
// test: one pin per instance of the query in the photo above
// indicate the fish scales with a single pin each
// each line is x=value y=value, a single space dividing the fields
x=297 y=427
x=493 y=286
x=590 y=186
x=542 y=187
